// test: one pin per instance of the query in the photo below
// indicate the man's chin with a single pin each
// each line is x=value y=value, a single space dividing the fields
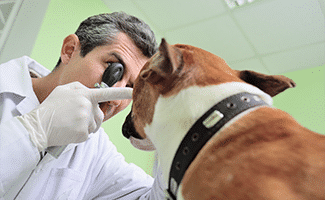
x=108 y=116
x=108 y=110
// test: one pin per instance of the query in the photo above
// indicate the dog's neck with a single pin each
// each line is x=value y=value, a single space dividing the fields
x=175 y=115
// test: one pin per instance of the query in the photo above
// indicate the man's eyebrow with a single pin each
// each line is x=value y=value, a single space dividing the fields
x=119 y=58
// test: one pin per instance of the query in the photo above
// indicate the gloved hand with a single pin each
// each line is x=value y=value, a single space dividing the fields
x=69 y=114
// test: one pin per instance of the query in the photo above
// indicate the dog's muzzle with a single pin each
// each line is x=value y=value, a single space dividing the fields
x=128 y=129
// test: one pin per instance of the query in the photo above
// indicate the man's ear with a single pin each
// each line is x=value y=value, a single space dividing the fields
x=270 y=84
x=70 y=46
x=163 y=65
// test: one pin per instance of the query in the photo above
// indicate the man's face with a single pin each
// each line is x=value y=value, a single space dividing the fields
x=89 y=70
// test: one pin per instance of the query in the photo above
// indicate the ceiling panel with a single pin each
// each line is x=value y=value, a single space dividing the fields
x=167 y=15
x=249 y=64
x=312 y=55
x=279 y=25
x=227 y=43
x=270 y=36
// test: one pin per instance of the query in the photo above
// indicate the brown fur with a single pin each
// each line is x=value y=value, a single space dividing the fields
x=264 y=155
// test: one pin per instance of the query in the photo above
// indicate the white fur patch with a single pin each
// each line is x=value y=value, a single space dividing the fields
x=175 y=115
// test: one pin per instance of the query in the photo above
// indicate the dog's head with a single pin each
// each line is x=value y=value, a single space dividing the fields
x=177 y=67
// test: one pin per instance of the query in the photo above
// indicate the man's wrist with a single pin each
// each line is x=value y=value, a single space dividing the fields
x=36 y=132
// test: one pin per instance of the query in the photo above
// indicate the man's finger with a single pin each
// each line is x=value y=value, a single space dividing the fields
x=110 y=94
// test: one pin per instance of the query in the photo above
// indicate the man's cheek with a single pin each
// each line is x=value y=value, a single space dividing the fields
x=123 y=105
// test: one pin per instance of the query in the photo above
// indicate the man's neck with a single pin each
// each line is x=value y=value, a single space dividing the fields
x=44 y=86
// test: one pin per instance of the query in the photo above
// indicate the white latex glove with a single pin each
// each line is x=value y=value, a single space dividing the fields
x=69 y=114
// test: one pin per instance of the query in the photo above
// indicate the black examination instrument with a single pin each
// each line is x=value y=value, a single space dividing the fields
x=113 y=74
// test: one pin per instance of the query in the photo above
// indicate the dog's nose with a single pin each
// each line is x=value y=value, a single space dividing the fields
x=128 y=129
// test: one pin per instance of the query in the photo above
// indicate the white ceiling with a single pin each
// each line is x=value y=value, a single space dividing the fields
x=269 y=36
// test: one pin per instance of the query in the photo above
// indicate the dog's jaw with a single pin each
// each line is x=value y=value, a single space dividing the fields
x=175 y=115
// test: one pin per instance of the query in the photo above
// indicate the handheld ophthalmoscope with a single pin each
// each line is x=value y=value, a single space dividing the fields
x=112 y=74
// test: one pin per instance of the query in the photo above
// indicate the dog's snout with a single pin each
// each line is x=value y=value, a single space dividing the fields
x=128 y=129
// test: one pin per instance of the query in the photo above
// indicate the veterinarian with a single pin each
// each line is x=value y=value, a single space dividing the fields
x=40 y=110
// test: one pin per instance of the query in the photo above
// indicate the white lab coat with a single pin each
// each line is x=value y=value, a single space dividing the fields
x=89 y=170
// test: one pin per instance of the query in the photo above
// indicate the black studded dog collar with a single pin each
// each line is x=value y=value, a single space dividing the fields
x=203 y=129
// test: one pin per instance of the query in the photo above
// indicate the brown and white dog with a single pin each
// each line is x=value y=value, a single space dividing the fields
x=262 y=153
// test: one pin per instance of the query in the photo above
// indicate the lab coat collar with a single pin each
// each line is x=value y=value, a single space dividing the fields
x=20 y=66
x=20 y=83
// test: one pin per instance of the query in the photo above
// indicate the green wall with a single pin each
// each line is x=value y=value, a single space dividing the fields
x=306 y=102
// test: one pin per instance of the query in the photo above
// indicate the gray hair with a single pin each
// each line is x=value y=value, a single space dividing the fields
x=102 y=29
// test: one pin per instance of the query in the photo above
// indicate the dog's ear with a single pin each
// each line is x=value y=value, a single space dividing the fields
x=271 y=85
x=164 y=64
